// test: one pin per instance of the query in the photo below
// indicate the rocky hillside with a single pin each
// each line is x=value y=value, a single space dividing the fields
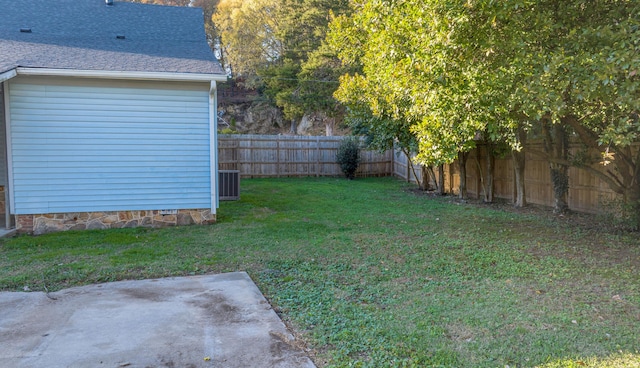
x=241 y=111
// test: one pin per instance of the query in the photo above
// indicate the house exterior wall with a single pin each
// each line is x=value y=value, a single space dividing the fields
x=83 y=146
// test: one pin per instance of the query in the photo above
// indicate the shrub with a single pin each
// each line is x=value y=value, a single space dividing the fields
x=348 y=156
x=618 y=214
x=228 y=131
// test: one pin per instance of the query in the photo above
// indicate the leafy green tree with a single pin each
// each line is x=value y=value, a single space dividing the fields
x=277 y=45
x=247 y=30
x=318 y=81
x=420 y=80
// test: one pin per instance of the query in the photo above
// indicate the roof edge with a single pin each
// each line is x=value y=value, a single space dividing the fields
x=167 y=76
x=7 y=75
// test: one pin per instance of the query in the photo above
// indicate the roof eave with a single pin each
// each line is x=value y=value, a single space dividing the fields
x=7 y=75
x=166 y=76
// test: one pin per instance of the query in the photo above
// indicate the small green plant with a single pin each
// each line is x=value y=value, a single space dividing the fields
x=619 y=214
x=348 y=156
x=228 y=131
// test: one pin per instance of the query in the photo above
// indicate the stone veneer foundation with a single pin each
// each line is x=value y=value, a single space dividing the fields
x=47 y=223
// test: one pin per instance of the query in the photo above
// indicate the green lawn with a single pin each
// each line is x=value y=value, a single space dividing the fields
x=368 y=273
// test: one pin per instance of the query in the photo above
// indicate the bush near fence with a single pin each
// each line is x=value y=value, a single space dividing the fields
x=259 y=156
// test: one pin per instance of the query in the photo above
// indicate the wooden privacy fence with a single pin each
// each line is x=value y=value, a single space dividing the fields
x=587 y=193
x=260 y=156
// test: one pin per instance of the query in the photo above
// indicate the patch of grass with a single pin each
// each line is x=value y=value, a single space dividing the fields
x=370 y=274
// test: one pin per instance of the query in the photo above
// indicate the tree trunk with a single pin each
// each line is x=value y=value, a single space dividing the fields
x=491 y=159
x=329 y=124
x=432 y=176
x=635 y=198
x=462 y=160
x=632 y=197
x=556 y=145
x=560 y=173
x=293 y=129
x=424 y=183
x=440 y=182
x=518 y=167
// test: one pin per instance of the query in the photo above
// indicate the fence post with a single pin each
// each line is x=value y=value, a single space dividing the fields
x=309 y=148
x=236 y=155
x=392 y=160
x=253 y=159
x=278 y=157
x=318 y=157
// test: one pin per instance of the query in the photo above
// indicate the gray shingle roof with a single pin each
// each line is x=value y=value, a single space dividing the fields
x=83 y=35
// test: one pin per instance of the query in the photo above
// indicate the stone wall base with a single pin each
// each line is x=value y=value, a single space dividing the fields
x=48 y=223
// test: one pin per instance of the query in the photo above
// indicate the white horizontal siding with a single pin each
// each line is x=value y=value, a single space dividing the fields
x=83 y=146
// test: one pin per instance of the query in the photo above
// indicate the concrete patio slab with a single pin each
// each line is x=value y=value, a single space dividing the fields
x=200 y=321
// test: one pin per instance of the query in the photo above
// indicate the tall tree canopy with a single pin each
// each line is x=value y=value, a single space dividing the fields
x=278 y=46
x=247 y=28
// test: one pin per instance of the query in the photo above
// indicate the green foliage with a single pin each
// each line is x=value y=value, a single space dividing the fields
x=277 y=45
x=246 y=30
x=420 y=81
x=348 y=156
x=228 y=131
x=619 y=214
x=454 y=68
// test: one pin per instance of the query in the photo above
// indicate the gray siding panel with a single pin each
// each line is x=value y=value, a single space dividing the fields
x=103 y=146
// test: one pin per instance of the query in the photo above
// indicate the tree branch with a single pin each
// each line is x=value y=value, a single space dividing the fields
x=410 y=163
x=590 y=139
x=613 y=182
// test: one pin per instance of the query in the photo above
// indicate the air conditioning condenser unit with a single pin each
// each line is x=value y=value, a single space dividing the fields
x=229 y=185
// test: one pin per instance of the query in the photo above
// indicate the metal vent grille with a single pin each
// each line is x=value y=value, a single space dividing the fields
x=229 y=185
